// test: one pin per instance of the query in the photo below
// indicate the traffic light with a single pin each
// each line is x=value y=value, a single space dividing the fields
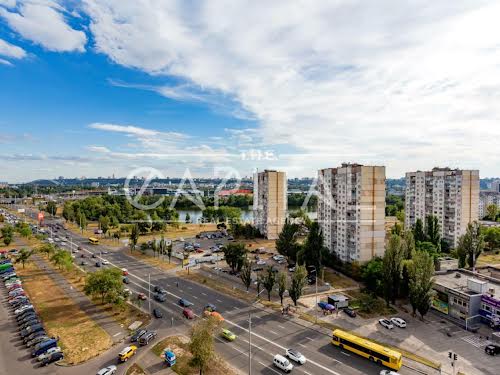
x=455 y=356
x=452 y=356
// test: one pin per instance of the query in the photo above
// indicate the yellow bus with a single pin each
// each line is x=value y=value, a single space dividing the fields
x=368 y=349
x=93 y=241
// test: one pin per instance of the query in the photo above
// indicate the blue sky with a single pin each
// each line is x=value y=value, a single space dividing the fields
x=102 y=87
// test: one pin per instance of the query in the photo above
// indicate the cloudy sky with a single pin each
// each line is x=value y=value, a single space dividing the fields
x=100 y=87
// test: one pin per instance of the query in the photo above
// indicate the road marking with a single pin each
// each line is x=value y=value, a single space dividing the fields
x=281 y=326
x=274 y=333
x=189 y=288
x=218 y=300
x=202 y=293
x=302 y=345
x=195 y=297
x=309 y=338
x=117 y=334
x=347 y=354
x=273 y=370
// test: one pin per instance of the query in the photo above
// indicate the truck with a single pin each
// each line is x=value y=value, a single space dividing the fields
x=169 y=356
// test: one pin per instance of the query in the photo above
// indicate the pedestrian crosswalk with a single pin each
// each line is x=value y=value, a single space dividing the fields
x=477 y=341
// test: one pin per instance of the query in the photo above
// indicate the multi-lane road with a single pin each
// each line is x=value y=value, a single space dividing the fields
x=271 y=333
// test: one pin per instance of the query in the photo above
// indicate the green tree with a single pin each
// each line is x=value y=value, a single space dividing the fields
x=25 y=231
x=188 y=218
x=433 y=230
x=7 y=239
x=157 y=224
x=372 y=274
x=51 y=207
x=47 y=249
x=492 y=238
x=311 y=252
x=154 y=247
x=169 y=251
x=235 y=254
x=62 y=259
x=106 y=284
x=269 y=281
x=470 y=245
x=418 y=231
x=492 y=212
x=104 y=223
x=286 y=244
x=392 y=267
x=421 y=271
x=24 y=256
x=202 y=345
x=282 y=285
x=134 y=237
x=298 y=283
x=246 y=273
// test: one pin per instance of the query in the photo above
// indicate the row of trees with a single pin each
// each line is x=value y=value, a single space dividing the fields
x=7 y=232
x=236 y=258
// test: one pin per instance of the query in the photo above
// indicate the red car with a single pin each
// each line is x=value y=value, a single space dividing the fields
x=199 y=251
x=124 y=272
x=141 y=296
x=188 y=313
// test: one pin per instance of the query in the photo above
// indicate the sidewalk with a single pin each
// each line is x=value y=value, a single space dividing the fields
x=106 y=322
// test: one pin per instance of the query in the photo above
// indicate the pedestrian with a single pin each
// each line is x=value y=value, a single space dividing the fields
x=177 y=284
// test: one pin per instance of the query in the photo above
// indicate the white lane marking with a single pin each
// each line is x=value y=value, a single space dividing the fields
x=274 y=333
x=302 y=345
x=347 y=354
x=189 y=288
x=195 y=297
x=117 y=334
x=266 y=366
x=202 y=293
x=282 y=347
x=305 y=372
x=281 y=326
x=309 y=338
x=218 y=300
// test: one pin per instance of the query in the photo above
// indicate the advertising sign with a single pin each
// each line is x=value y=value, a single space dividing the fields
x=440 y=305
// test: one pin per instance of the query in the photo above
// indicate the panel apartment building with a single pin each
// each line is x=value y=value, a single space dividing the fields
x=351 y=211
x=450 y=194
x=270 y=202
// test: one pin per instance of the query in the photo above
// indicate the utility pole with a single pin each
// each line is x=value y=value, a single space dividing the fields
x=250 y=344
x=149 y=291
x=454 y=358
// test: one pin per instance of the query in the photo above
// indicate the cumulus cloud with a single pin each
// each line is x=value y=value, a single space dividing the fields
x=348 y=78
x=43 y=22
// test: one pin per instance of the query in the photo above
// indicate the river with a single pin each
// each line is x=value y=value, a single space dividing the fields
x=246 y=215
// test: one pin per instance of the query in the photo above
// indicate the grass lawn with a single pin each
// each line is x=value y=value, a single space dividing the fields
x=269 y=245
x=489 y=257
x=156 y=262
x=135 y=369
x=337 y=280
x=81 y=338
x=217 y=285
x=125 y=316
x=180 y=346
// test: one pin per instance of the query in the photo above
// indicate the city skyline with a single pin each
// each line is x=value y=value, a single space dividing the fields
x=113 y=86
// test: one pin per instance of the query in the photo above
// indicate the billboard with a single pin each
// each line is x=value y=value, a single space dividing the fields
x=440 y=305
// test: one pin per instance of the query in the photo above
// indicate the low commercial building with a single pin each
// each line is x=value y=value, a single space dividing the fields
x=467 y=297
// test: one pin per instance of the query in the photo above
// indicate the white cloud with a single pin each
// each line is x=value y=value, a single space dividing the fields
x=43 y=22
x=5 y=62
x=349 y=78
x=11 y=51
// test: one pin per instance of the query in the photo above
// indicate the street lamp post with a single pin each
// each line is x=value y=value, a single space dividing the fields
x=149 y=292
x=316 y=294
x=250 y=344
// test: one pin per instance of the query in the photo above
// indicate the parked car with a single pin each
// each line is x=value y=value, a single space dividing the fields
x=105 y=262
x=43 y=347
x=124 y=272
x=188 y=313
x=37 y=340
x=398 y=322
x=296 y=356
x=55 y=357
x=137 y=335
x=350 y=312
x=492 y=349
x=185 y=303
x=41 y=357
x=147 y=337
x=141 y=296
x=34 y=335
x=34 y=328
x=386 y=323
x=126 y=280
x=127 y=353
x=157 y=313
x=98 y=264
x=110 y=370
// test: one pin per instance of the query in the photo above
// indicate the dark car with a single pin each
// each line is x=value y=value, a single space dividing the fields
x=492 y=349
x=34 y=336
x=27 y=318
x=34 y=328
x=147 y=337
x=126 y=280
x=37 y=340
x=157 y=313
x=185 y=303
x=210 y=307
x=350 y=312
x=54 y=357
x=98 y=264
x=160 y=297
x=28 y=323
x=137 y=335
x=159 y=289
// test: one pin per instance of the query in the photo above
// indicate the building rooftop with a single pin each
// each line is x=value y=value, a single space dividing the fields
x=451 y=280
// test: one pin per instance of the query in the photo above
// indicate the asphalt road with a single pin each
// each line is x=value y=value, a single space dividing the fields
x=271 y=333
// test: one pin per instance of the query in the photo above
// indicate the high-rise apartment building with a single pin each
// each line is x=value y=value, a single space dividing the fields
x=485 y=199
x=452 y=195
x=270 y=202
x=351 y=211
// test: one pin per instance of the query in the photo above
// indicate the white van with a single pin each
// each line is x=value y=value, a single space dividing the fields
x=282 y=363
